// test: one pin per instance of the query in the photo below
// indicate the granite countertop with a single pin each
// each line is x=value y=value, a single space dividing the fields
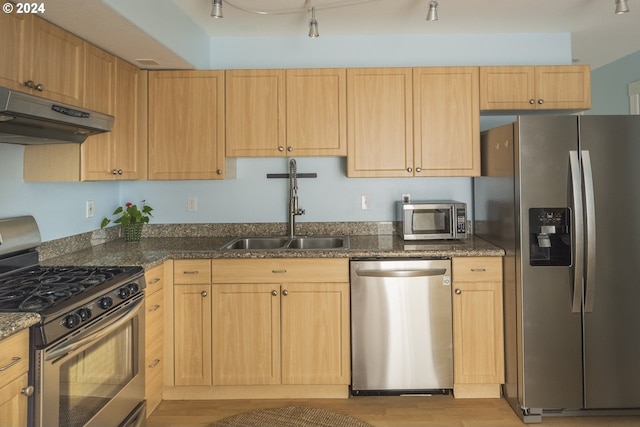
x=154 y=250
x=151 y=251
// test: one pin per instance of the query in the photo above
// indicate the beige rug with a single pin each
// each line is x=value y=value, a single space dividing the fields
x=291 y=416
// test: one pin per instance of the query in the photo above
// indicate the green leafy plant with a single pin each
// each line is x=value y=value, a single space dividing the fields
x=130 y=214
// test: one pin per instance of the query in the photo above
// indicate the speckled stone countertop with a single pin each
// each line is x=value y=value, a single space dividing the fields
x=10 y=323
x=154 y=250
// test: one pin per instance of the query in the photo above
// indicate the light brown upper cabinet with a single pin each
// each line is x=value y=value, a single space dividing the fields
x=118 y=88
x=294 y=112
x=446 y=121
x=406 y=122
x=556 y=87
x=186 y=125
x=380 y=114
x=42 y=59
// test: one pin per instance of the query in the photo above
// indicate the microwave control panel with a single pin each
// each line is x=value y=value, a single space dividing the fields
x=461 y=221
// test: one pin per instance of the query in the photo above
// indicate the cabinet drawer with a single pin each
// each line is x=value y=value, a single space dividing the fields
x=154 y=366
x=191 y=271
x=280 y=270
x=14 y=356
x=154 y=278
x=154 y=319
x=477 y=269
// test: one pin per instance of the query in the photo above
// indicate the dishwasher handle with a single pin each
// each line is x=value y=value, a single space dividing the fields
x=402 y=273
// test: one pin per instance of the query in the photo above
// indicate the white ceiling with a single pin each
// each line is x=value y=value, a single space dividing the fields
x=598 y=35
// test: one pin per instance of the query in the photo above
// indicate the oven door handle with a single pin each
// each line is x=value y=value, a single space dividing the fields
x=90 y=336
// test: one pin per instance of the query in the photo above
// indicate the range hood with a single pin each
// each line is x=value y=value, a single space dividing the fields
x=27 y=119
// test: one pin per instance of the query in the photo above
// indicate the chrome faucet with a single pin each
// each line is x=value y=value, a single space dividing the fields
x=293 y=198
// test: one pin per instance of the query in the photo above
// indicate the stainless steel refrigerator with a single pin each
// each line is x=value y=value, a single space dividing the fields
x=561 y=195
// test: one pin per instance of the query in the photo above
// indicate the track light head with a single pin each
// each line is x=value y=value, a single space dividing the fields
x=313 y=25
x=432 y=15
x=216 y=9
x=621 y=7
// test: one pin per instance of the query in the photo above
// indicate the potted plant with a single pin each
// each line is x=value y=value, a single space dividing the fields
x=131 y=219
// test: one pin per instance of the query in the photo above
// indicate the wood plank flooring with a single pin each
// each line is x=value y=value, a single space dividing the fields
x=395 y=411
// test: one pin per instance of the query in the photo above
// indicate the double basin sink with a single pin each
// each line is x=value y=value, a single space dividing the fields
x=306 y=242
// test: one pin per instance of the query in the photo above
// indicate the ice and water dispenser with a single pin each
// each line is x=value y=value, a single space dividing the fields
x=549 y=237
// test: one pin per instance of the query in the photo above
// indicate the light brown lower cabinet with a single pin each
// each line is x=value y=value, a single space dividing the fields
x=14 y=362
x=261 y=328
x=478 y=334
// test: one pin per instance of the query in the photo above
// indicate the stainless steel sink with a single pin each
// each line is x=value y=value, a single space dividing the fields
x=314 y=242
x=307 y=242
x=257 y=243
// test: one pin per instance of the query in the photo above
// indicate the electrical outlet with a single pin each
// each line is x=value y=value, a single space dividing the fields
x=365 y=202
x=406 y=198
x=192 y=204
x=90 y=209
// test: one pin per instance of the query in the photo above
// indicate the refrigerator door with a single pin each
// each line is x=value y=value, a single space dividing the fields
x=612 y=327
x=550 y=342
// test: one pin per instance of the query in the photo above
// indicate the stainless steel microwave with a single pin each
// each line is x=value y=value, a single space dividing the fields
x=432 y=220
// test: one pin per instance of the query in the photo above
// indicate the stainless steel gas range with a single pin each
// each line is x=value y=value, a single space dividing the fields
x=87 y=352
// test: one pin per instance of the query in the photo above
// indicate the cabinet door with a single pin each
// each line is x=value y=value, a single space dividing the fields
x=186 y=125
x=99 y=95
x=446 y=121
x=563 y=87
x=477 y=321
x=56 y=60
x=192 y=334
x=315 y=333
x=507 y=88
x=246 y=334
x=316 y=112
x=129 y=133
x=255 y=113
x=13 y=404
x=379 y=114
x=13 y=31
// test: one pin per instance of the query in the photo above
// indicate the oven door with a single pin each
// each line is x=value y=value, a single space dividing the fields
x=95 y=376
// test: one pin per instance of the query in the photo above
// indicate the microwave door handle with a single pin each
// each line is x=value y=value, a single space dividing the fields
x=590 y=212
x=578 y=229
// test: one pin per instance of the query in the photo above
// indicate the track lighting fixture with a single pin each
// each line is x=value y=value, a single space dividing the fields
x=432 y=15
x=216 y=8
x=621 y=7
x=313 y=25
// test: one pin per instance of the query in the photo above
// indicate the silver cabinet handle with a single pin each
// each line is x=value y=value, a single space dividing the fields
x=204 y=294
x=409 y=169
x=219 y=171
x=119 y=171
x=191 y=272
x=154 y=308
x=418 y=170
x=289 y=148
x=458 y=291
x=280 y=148
x=114 y=172
x=540 y=101
x=30 y=84
x=532 y=101
x=478 y=270
x=154 y=281
x=14 y=360
x=154 y=364
x=27 y=391
x=285 y=292
x=274 y=293
x=278 y=271
x=40 y=87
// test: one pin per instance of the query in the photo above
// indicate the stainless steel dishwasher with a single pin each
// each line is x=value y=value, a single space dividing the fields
x=401 y=326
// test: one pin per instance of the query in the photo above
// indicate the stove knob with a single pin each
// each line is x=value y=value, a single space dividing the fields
x=133 y=287
x=105 y=303
x=124 y=292
x=84 y=313
x=72 y=320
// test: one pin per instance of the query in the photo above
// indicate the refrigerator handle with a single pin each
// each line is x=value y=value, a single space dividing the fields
x=578 y=232
x=590 y=238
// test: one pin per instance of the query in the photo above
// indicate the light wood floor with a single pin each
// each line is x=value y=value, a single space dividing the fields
x=401 y=411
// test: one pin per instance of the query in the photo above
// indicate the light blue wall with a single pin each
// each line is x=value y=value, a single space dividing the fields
x=609 y=85
x=59 y=208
